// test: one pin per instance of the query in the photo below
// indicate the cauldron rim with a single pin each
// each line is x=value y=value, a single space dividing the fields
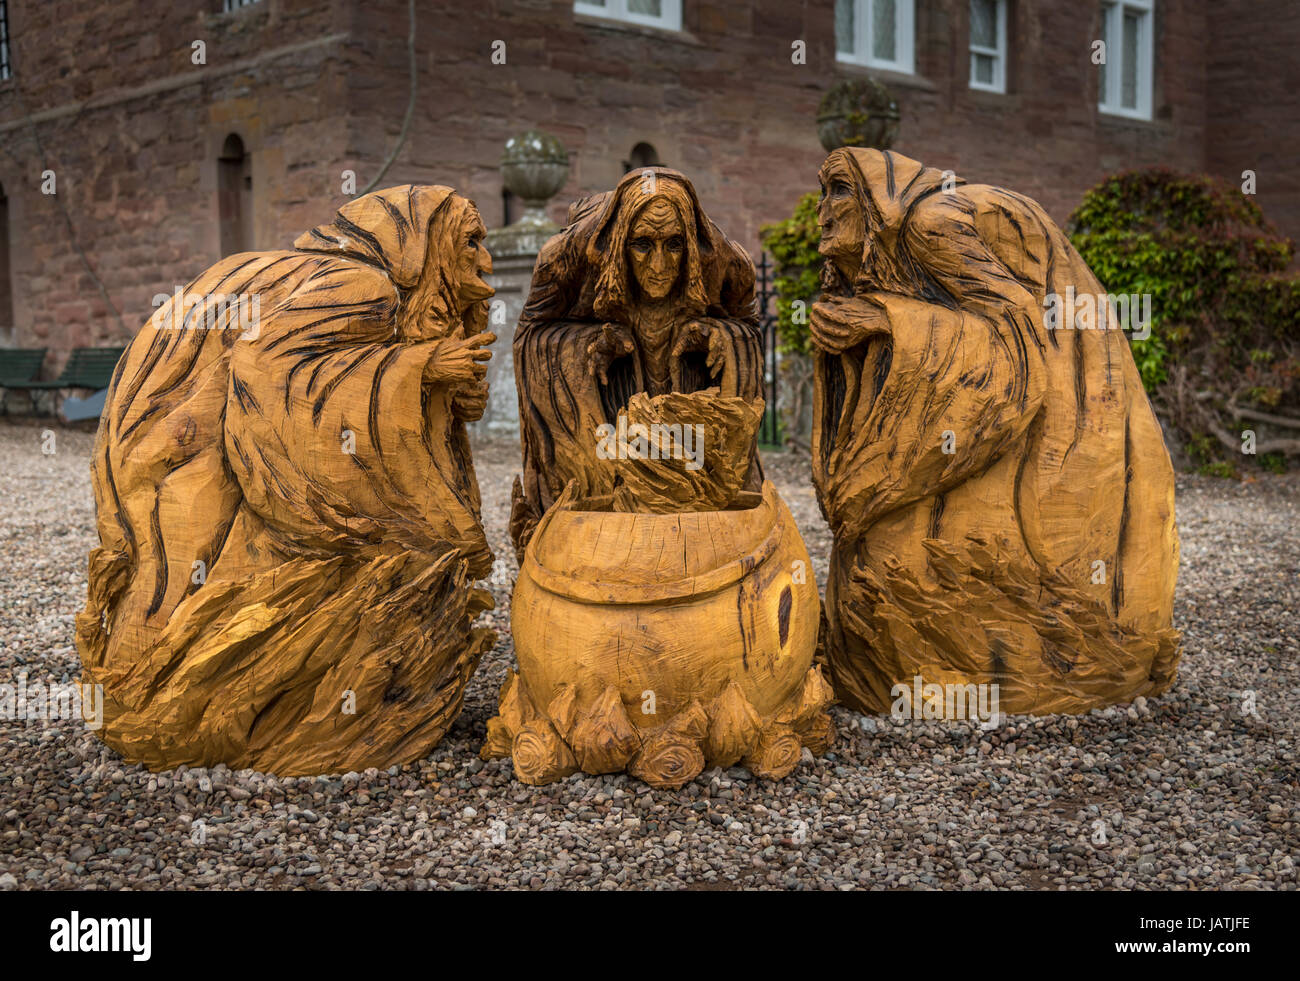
x=603 y=504
x=643 y=592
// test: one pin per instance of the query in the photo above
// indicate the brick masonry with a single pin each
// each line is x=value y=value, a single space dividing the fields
x=133 y=129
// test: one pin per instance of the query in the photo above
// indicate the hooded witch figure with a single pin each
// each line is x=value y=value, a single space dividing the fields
x=287 y=509
x=996 y=482
x=640 y=292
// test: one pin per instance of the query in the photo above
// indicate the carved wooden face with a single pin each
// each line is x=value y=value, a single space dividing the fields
x=451 y=283
x=843 y=222
x=655 y=248
x=472 y=262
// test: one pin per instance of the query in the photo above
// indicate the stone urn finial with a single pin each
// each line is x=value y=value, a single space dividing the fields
x=857 y=112
x=534 y=167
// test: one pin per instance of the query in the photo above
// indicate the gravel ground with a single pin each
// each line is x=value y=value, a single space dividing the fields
x=1190 y=791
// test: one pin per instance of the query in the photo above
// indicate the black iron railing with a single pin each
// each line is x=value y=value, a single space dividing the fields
x=769 y=430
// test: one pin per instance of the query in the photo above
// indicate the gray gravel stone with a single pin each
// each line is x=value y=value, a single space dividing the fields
x=1189 y=790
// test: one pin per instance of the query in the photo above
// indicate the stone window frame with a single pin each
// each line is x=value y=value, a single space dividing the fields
x=1112 y=72
x=904 y=62
x=669 y=19
x=999 y=54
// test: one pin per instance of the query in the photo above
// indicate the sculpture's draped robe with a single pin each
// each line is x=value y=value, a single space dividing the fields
x=288 y=514
x=581 y=281
x=1039 y=552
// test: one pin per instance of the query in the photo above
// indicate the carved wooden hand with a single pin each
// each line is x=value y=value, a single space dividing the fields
x=458 y=361
x=698 y=335
x=615 y=341
x=840 y=323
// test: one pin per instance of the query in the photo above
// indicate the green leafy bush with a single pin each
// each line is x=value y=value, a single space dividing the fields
x=1225 y=332
x=796 y=282
x=793 y=244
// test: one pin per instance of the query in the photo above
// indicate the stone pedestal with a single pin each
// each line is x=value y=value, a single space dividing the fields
x=534 y=167
x=511 y=276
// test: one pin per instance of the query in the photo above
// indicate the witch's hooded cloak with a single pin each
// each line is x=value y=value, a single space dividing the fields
x=999 y=492
x=582 y=281
x=287 y=509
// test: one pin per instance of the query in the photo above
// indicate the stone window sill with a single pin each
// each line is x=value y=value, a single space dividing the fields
x=644 y=30
x=1112 y=120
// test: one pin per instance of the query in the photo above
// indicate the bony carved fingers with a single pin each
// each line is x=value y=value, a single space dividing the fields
x=717 y=358
x=458 y=360
x=612 y=344
x=693 y=336
x=469 y=403
x=840 y=323
x=829 y=332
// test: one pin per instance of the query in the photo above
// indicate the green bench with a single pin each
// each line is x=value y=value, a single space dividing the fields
x=18 y=366
x=87 y=368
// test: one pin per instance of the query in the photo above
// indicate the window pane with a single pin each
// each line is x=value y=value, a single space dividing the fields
x=844 y=26
x=884 y=30
x=1129 y=66
x=984 y=23
x=982 y=67
x=650 y=8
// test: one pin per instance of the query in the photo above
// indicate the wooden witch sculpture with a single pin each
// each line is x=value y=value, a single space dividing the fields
x=1001 y=499
x=640 y=292
x=288 y=513
x=664 y=616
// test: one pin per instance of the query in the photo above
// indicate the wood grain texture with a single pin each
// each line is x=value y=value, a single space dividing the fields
x=689 y=452
x=1040 y=553
x=661 y=644
x=665 y=615
x=639 y=292
x=287 y=508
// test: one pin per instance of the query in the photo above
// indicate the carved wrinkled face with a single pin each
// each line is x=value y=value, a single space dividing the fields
x=655 y=248
x=842 y=220
x=451 y=283
x=472 y=262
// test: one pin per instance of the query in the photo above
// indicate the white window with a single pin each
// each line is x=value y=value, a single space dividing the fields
x=877 y=33
x=230 y=5
x=1125 y=81
x=652 y=13
x=988 y=45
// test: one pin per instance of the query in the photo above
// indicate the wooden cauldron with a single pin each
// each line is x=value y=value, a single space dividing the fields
x=659 y=643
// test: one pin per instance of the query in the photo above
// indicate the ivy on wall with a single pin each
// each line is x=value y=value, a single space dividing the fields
x=1223 y=357
x=793 y=244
